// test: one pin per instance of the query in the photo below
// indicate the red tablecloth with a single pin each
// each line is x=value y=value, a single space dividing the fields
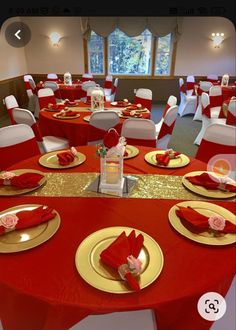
x=41 y=288
x=73 y=92
x=75 y=130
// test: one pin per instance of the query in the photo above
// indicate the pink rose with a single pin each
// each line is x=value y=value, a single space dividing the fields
x=7 y=175
x=9 y=221
x=216 y=222
x=135 y=265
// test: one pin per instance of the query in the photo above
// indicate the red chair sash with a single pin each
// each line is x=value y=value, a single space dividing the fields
x=83 y=79
x=216 y=101
x=108 y=84
x=167 y=107
x=165 y=129
x=231 y=119
x=11 y=115
x=43 y=101
x=27 y=85
x=113 y=91
x=11 y=155
x=190 y=85
x=183 y=89
x=207 y=111
x=207 y=150
x=199 y=91
x=144 y=102
x=140 y=142
x=52 y=79
x=37 y=132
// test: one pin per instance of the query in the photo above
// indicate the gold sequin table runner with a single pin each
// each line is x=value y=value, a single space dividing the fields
x=147 y=186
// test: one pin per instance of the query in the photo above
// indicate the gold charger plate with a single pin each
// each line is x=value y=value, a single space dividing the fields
x=202 y=190
x=131 y=150
x=102 y=277
x=50 y=160
x=12 y=191
x=66 y=117
x=25 y=239
x=181 y=161
x=86 y=118
x=206 y=209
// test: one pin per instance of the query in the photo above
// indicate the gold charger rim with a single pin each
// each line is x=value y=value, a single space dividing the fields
x=148 y=157
x=216 y=241
x=87 y=118
x=203 y=191
x=78 y=160
x=134 y=151
x=47 y=233
x=66 y=117
x=92 y=277
x=12 y=191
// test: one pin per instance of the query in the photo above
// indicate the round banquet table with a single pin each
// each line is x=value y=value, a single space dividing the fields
x=72 y=92
x=41 y=288
x=76 y=130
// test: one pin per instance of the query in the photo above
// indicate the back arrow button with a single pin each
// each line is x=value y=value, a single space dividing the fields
x=17 y=34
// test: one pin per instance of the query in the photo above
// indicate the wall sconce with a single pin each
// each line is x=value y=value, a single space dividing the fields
x=217 y=39
x=55 y=38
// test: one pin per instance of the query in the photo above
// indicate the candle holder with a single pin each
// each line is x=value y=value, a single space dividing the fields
x=68 y=79
x=97 y=99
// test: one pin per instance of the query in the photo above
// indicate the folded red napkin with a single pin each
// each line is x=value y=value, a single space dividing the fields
x=56 y=106
x=67 y=157
x=25 y=219
x=198 y=223
x=163 y=159
x=122 y=103
x=71 y=113
x=22 y=181
x=210 y=182
x=122 y=255
x=70 y=103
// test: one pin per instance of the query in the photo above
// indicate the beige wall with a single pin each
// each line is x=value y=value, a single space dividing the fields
x=42 y=57
x=39 y=56
x=195 y=52
x=12 y=60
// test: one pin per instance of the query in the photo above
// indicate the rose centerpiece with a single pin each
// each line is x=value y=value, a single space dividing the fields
x=111 y=153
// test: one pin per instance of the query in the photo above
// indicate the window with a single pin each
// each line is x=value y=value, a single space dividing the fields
x=163 y=55
x=130 y=55
x=96 y=54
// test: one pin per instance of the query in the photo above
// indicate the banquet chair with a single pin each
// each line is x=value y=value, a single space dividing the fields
x=190 y=82
x=212 y=78
x=111 y=97
x=31 y=91
x=165 y=128
x=55 y=88
x=218 y=140
x=46 y=96
x=225 y=80
x=144 y=97
x=231 y=113
x=137 y=319
x=45 y=143
x=206 y=117
x=100 y=122
x=108 y=84
x=139 y=131
x=52 y=77
x=188 y=103
x=10 y=103
x=87 y=77
x=17 y=142
x=204 y=86
x=216 y=100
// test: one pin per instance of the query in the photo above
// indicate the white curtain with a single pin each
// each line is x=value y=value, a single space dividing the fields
x=132 y=26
